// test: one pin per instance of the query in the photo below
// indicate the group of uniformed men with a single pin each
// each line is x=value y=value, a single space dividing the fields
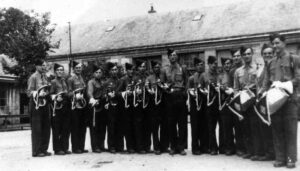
x=140 y=107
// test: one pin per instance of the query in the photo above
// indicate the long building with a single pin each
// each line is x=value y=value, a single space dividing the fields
x=194 y=33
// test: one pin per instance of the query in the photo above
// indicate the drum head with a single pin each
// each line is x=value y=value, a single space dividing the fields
x=275 y=99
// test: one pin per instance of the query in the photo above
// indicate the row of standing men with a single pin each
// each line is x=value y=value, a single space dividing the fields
x=151 y=109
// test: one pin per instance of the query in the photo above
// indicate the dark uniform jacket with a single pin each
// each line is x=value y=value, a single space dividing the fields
x=175 y=75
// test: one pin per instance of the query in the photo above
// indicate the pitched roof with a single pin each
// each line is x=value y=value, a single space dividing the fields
x=238 y=19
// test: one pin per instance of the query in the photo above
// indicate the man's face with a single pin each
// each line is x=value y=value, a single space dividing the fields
x=156 y=69
x=278 y=45
x=98 y=74
x=130 y=72
x=59 y=72
x=42 y=68
x=78 y=69
x=142 y=67
x=200 y=67
x=173 y=58
x=237 y=58
x=267 y=54
x=213 y=66
x=247 y=56
x=227 y=65
x=114 y=71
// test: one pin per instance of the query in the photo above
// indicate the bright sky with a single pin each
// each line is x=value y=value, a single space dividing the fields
x=77 y=11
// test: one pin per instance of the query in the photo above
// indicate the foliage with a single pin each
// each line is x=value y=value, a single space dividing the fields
x=25 y=36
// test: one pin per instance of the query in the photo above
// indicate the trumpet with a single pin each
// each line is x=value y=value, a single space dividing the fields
x=129 y=91
x=111 y=100
x=78 y=100
x=39 y=96
x=197 y=93
x=211 y=91
x=157 y=92
x=56 y=104
x=224 y=95
x=137 y=93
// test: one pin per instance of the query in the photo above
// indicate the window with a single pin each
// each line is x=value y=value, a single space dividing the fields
x=187 y=59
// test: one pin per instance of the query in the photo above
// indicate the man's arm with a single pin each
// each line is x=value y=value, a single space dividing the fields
x=31 y=85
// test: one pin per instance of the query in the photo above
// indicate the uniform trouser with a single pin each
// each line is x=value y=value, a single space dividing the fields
x=177 y=120
x=238 y=134
x=61 y=123
x=152 y=122
x=195 y=119
x=78 y=128
x=98 y=129
x=227 y=128
x=213 y=117
x=257 y=135
x=204 y=137
x=284 y=128
x=267 y=140
x=247 y=130
x=114 y=129
x=163 y=131
x=40 y=128
x=128 y=114
x=139 y=127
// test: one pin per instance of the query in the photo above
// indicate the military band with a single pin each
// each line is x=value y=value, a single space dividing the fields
x=254 y=107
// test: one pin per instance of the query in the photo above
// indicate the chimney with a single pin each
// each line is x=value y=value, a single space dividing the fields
x=152 y=10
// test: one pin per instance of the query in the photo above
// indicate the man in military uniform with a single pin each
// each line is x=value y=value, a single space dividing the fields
x=267 y=149
x=126 y=87
x=284 y=67
x=176 y=76
x=78 y=112
x=154 y=110
x=245 y=78
x=40 y=117
x=210 y=80
x=226 y=92
x=96 y=96
x=112 y=106
x=61 y=118
x=195 y=109
x=140 y=122
x=238 y=133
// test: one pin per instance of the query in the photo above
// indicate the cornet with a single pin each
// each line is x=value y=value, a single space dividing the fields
x=78 y=100
x=39 y=96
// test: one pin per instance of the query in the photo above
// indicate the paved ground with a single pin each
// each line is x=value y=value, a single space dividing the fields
x=15 y=155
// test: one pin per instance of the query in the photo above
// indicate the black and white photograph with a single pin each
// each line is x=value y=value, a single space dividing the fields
x=149 y=85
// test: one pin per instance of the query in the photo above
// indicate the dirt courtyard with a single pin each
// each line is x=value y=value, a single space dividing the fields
x=15 y=155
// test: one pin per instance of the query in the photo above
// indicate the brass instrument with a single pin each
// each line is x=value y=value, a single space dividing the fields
x=110 y=101
x=56 y=104
x=211 y=91
x=137 y=93
x=198 y=93
x=223 y=97
x=157 y=92
x=78 y=103
x=126 y=93
x=39 y=100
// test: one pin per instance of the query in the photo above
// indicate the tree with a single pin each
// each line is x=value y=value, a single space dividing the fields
x=25 y=36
